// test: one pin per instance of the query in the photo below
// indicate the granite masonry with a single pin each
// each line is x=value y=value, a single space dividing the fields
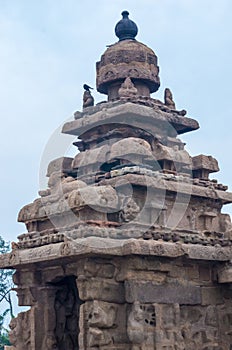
x=127 y=248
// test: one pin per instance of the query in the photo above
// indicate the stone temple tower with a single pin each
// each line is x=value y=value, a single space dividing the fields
x=127 y=248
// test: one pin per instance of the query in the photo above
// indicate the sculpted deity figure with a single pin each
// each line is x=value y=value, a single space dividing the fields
x=101 y=318
x=168 y=99
x=88 y=99
x=127 y=89
x=141 y=326
x=129 y=210
x=20 y=331
x=135 y=327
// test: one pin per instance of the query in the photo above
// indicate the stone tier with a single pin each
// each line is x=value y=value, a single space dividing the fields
x=161 y=199
x=150 y=119
x=128 y=58
x=71 y=249
x=109 y=230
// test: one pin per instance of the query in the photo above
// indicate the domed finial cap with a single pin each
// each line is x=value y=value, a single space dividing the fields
x=126 y=29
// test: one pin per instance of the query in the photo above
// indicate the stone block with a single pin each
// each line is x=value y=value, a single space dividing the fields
x=204 y=273
x=48 y=275
x=94 y=268
x=191 y=314
x=94 y=156
x=205 y=162
x=123 y=149
x=94 y=197
x=192 y=272
x=177 y=272
x=100 y=289
x=168 y=294
x=156 y=278
x=62 y=164
x=211 y=295
x=116 y=347
x=225 y=275
x=211 y=318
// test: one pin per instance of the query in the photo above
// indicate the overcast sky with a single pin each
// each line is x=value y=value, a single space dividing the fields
x=48 y=49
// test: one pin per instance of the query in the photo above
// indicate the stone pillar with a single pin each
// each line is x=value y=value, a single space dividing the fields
x=45 y=314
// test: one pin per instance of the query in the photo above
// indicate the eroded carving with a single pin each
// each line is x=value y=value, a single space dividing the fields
x=101 y=318
x=20 y=331
x=129 y=210
x=127 y=89
x=88 y=99
x=66 y=306
x=141 y=326
x=168 y=99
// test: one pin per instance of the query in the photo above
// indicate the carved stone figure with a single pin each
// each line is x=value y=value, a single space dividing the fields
x=66 y=307
x=88 y=99
x=98 y=337
x=20 y=331
x=59 y=186
x=168 y=99
x=129 y=210
x=135 y=327
x=101 y=318
x=50 y=342
x=127 y=89
x=141 y=326
x=102 y=315
x=192 y=218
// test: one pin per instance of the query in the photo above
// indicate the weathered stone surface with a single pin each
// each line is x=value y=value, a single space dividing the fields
x=165 y=294
x=175 y=155
x=127 y=248
x=211 y=295
x=63 y=164
x=107 y=247
x=100 y=289
x=139 y=116
x=89 y=157
x=101 y=196
x=127 y=89
x=225 y=275
x=203 y=165
x=176 y=186
x=130 y=58
x=20 y=334
x=130 y=146
x=205 y=162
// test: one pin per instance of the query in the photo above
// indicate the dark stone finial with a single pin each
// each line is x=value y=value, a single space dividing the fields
x=126 y=28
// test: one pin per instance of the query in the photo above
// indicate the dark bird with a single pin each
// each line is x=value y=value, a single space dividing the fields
x=87 y=87
x=88 y=99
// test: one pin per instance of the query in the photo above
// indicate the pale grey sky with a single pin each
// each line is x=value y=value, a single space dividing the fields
x=48 y=49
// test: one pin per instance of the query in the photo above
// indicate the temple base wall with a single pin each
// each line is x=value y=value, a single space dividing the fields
x=126 y=303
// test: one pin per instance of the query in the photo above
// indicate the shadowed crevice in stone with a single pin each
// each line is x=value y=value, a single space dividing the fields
x=67 y=309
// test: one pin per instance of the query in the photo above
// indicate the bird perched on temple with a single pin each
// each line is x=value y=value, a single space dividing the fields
x=88 y=99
